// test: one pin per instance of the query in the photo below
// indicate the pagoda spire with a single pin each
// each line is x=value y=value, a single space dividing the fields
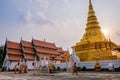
x=93 y=40
x=90 y=3
x=93 y=31
x=92 y=19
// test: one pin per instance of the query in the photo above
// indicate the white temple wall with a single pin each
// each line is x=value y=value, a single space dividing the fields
x=90 y=65
x=61 y=65
x=30 y=64
x=56 y=62
x=103 y=64
x=12 y=65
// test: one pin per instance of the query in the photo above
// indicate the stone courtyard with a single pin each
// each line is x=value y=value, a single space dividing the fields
x=61 y=76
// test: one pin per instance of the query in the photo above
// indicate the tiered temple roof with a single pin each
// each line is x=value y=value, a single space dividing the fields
x=27 y=44
x=43 y=44
x=59 y=50
x=60 y=55
x=65 y=56
x=26 y=50
x=44 y=48
x=14 y=51
x=13 y=45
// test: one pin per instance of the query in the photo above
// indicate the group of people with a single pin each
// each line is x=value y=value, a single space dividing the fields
x=24 y=68
x=20 y=68
x=74 y=68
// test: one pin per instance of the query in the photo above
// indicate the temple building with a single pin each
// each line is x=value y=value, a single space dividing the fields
x=36 y=51
x=93 y=43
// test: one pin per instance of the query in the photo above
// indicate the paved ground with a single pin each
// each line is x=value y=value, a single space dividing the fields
x=61 y=76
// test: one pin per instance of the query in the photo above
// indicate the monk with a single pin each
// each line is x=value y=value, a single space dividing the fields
x=20 y=68
x=25 y=69
x=40 y=68
x=15 y=69
x=75 y=69
x=50 y=68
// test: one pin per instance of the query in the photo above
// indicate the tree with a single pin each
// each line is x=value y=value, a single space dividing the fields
x=1 y=51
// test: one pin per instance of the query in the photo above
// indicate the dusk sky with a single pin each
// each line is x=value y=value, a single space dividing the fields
x=59 y=21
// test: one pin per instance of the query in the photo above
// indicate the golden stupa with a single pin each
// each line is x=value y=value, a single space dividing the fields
x=94 y=44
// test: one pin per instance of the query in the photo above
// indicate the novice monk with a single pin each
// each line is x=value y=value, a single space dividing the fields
x=25 y=69
x=50 y=68
x=20 y=68
x=75 y=69
x=40 y=68
x=15 y=69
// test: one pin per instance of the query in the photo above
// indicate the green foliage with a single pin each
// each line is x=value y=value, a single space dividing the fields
x=117 y=69
x=83 y=68
x=79 y=68
x=1 y=47
x=58 y=68
x=1 y=51
x=3 y=69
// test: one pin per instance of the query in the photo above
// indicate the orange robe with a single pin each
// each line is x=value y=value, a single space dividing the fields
x=26 y=69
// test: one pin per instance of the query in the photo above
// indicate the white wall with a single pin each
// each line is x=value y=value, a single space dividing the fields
x=104 y=64
x=88 y=65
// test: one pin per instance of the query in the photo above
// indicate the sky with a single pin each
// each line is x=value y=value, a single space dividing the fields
x=62 y=22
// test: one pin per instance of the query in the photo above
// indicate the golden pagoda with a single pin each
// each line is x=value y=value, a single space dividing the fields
x=94 y=44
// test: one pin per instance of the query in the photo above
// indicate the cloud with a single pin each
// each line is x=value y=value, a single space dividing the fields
x=116 y=37
x=66 y=1
x=118 y=33
x=41 y=15
x=63 y=32
x=43 y=3
x=28 y=16
x=25 y=16
x=40 y=18
x=36 y=17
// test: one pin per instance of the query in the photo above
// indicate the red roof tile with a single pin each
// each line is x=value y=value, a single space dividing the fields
x=65 y=53
x=14 y=57
x=45 y=50
x=30 y=56
x=13 y=45
x=29 y=50
x=13 y=51
x=59 y=58
x=44 y=44
x=59 y=50
x=27 y=44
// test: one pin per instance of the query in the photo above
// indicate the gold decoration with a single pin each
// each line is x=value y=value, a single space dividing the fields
x=94 y=42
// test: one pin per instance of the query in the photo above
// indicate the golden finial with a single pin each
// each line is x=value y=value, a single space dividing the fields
x=90 y=3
